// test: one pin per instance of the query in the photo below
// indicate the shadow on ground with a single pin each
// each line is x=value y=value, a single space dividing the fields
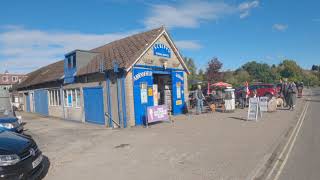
x=238 y=118
x=46 y=166
x=313 y=100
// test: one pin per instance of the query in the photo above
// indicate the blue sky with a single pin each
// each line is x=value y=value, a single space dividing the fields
x=34 y=33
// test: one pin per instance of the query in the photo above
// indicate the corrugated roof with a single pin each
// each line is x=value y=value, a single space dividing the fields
x=124 y=51
x=45 y=74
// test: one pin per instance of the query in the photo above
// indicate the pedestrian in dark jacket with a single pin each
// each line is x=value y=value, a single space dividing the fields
x=284 y=91
x=292 y=90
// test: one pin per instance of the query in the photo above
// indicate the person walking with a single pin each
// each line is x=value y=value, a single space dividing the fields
x=199 y=99
x=292 y=90
x=284 y=91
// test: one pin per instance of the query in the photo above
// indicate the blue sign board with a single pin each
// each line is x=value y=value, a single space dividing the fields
x=161 y=50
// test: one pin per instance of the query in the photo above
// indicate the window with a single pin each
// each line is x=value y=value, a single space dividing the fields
x=4 y=78
x=72 y=98
x=54 y=97
x=69 y=62
x=74 y=63
x=14 y=78
x=78 y=98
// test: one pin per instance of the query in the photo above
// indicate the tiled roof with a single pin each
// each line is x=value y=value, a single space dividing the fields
x=45 y=74
x=124 y=51
x=7 y=79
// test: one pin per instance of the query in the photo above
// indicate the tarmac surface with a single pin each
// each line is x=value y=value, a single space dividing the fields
x=304 y=160
x=208 y=146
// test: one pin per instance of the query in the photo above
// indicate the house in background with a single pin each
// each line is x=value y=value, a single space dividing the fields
x=111 y=85
x=7 y=80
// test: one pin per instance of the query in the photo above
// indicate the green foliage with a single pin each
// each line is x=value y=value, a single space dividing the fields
x=291 y=70
x=255 y=72
x=315 y=68
x=259 y=72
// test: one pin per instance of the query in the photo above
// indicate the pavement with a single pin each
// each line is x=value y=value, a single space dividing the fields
x=304 y=160
x=207 y=146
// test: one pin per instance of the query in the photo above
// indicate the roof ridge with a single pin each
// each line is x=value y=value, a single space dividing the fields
x=127 y=37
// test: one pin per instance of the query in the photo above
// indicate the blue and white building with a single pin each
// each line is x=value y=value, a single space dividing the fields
x=113 y=84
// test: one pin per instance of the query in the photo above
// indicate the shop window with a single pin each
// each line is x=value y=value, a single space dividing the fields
x=54 y=98
x=178 y=90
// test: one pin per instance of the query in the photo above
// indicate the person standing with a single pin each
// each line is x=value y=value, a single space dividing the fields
x=243 y=97
x=292 y=88
x=199 y=99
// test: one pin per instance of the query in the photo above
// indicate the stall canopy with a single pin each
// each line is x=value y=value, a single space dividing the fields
x=219 y=85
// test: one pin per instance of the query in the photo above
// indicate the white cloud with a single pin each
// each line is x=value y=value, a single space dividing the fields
x=188 y=44
x=245 y=8
x=24 y=50
x=280 y=27
x=191 y=13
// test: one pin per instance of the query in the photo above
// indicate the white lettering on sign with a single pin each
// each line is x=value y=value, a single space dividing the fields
x=142 y=74
x=179 y=77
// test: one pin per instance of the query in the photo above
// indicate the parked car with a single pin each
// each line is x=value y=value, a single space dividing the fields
x=8 y=119
x=268 y=90
x=20 y=157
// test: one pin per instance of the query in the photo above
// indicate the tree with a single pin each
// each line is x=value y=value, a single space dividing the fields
x=213 y=70
x=191 y=65
x=291 y=70
x=315 y=68
x=201 y=75
x=193 y=70
x=259 y=72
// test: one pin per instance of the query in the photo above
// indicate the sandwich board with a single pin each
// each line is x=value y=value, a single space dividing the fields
x=263 y=103
x=254 y=109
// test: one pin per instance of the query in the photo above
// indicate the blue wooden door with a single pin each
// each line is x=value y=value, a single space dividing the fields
x=93 y=105
x=28 y=103
x=178 y=103
x=143 y=80
x=41 y=102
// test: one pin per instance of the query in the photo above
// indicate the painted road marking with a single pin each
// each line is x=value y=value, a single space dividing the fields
x=291 y=146
x=292 y=136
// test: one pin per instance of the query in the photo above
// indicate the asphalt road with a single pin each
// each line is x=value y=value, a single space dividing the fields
x=304 y=160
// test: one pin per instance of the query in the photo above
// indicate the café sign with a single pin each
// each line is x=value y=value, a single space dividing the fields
x=161 y=50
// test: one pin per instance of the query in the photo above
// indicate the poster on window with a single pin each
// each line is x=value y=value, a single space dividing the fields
x=144 y=93
x=178 y=90
x=155 y=95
